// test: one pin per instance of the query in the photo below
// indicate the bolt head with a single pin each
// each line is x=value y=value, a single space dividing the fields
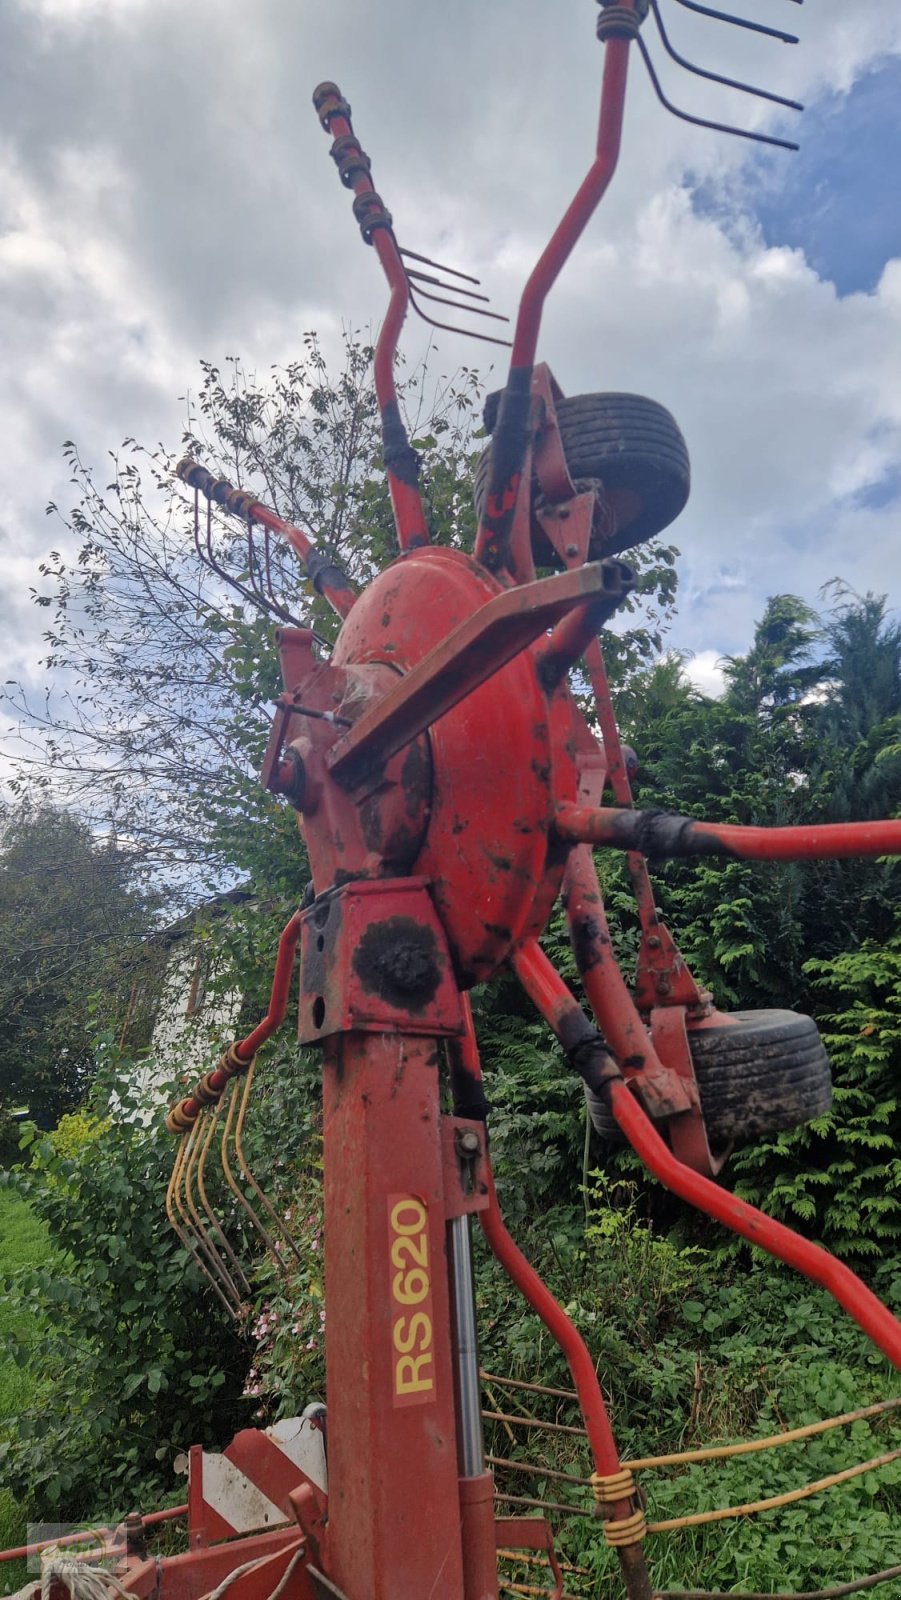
x=467 y=1142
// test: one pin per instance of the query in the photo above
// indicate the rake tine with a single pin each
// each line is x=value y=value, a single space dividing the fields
x=717 y=77
x=739 y=22
x=267 y=564
x=208 y=558
x=426 y=277
x=703 y=122
x=202 y=1190
x=476 y=311
x=237 y=1191
x=427 y=261
x=212 y=1254
x=252 y=564
x=245 y=1169
x=172 y=1203
x=450 y=327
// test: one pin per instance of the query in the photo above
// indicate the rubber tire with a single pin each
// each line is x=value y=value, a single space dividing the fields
x=763 y=1072
x=632 y=444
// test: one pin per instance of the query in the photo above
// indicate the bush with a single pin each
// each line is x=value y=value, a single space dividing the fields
x=839 y=1178
x=137 y=1356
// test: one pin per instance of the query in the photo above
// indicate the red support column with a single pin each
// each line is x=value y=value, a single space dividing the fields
x=394 y=1510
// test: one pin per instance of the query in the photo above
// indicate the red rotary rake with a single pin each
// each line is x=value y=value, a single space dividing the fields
x=449 y=790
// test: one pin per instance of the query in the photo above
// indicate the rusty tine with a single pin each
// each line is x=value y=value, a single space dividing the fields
x=245 y=1169
x=230 y=1179
x=235 y=1187
x=195 y=1140
x=171 y=1206
x=202 y=1191
x=252 y=594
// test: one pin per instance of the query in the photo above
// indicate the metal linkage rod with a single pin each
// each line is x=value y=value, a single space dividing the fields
x=583 y=204
x=511 y=438
x=779 y=1241
x=668 y=836
x=239 y=1056
x=354 y=166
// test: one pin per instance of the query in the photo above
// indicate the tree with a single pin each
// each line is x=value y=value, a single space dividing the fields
x=161 y=675
x=70 y=920
x=777 y=670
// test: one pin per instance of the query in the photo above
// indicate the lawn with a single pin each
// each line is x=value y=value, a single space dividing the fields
x=23 y=1243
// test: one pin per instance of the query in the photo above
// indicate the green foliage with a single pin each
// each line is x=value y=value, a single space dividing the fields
x=127 y=1339
x=69 y=918
x=694 y=1354
x=840 y=1177
x=24 y=1244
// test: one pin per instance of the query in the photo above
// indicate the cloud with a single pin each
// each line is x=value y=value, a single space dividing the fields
x=166 y=194
x=705 y=672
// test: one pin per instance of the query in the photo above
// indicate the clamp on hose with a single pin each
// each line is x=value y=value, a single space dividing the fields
x=208 y=1091
x=610 y=1487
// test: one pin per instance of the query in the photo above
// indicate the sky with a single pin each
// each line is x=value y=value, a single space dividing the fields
x=166 y=196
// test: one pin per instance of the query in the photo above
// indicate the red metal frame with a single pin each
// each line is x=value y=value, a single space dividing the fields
x=429 y=874
x=427 y=879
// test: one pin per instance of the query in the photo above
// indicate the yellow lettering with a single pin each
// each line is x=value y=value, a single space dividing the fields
x=419 y=1331
x=407 y=1374
x=419 y=1216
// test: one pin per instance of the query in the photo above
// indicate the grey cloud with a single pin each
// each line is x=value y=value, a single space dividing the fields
x=166 y=193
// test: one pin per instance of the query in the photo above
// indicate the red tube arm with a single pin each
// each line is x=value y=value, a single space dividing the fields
x=663 y=834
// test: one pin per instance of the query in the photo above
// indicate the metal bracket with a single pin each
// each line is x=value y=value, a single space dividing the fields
x=374 y=959
x=688 y=1135
x=464 y=1150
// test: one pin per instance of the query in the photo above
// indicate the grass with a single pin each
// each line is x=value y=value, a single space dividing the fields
x=23 y=1243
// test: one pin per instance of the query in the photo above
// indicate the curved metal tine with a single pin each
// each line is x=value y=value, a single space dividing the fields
x=245 y=1169
x=237 y=1191
x=198 y=1252
x=704 y=122
x=179 y=1231
x=267 y=566
x=252 y=564
x=739 y=22
x=264 y=596
x=439 y=265
x=197 y=524
x=235 y=583
x=427 y=277
x=218 y=1265
x=476 y=311
x=717 y=77
x=240 y=1274
x=450 y=327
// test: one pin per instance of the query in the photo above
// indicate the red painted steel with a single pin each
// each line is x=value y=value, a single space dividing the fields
x=446 y=785
x=394 y=1517
x=582 y=207
x=815 y=840
x=406 y=501
x=783 y=1243
x=281 y=986
x=213 y=1084
x=477 y=1537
